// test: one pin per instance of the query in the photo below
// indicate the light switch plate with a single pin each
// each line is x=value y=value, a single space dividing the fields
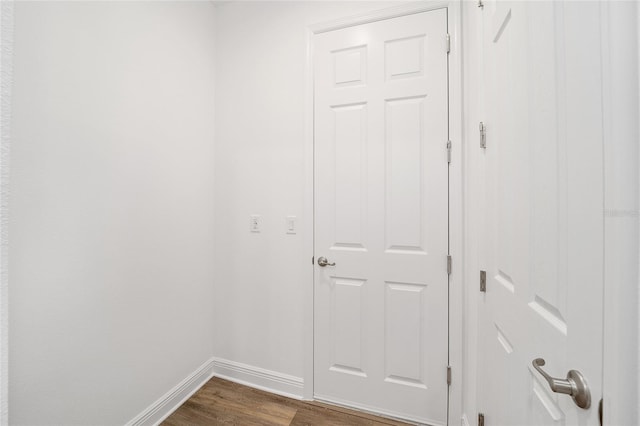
x=291 y=225
x=255 y=223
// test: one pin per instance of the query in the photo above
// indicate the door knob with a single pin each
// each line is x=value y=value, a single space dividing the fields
x=574 y=385
x=322 y=261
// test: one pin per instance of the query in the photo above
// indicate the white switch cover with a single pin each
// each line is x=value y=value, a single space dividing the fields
x=255 y=223
x=291 y=225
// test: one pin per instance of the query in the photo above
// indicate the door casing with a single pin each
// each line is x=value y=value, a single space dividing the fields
x=455 y=189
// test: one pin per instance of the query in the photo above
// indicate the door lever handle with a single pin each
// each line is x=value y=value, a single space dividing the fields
x=322 y=261
x=574 y=385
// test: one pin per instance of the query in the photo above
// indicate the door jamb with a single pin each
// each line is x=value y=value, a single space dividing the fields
x=456 y=235
x=6 y=79
x=620 y=22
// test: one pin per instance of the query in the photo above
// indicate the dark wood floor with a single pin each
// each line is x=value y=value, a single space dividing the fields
x=220 y=402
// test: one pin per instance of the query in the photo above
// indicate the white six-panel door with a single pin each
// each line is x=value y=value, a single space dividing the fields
x=542 y=246
x=381 y=215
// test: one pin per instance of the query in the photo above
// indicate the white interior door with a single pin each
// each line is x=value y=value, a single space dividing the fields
x=543 y=241
x=381 y=312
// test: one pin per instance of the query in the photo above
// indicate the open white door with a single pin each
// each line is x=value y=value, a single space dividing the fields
x=381 y=217
x=543 y=239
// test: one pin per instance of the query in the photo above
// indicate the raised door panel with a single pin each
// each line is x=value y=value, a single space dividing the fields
x=405 y=345
x=404 y=58
x=347 y=326
x=350 y=66
x=349 y=168
x=404 y=190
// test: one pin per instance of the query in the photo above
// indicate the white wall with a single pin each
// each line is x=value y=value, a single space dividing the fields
x=111 y=235
x=262 y=280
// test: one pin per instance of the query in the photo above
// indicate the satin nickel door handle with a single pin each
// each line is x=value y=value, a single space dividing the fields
x=322 y=261
x=574 y=385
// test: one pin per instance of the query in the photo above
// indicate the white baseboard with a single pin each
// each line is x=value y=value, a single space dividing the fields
x=259 y=378
x=167 y=404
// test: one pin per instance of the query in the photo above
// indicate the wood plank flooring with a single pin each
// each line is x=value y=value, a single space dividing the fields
x=221 y=402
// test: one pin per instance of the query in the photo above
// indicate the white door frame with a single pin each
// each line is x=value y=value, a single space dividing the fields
x=6 y=81
x=621 y=337
x=455 y=187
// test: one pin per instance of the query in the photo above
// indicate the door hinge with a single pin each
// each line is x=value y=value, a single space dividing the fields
x=449 y=152
x=483 y=135
x=480 y=419
x=313 y=260
x=449 y=375
x=448 y=43
x=483 y=281
x=448 y=265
